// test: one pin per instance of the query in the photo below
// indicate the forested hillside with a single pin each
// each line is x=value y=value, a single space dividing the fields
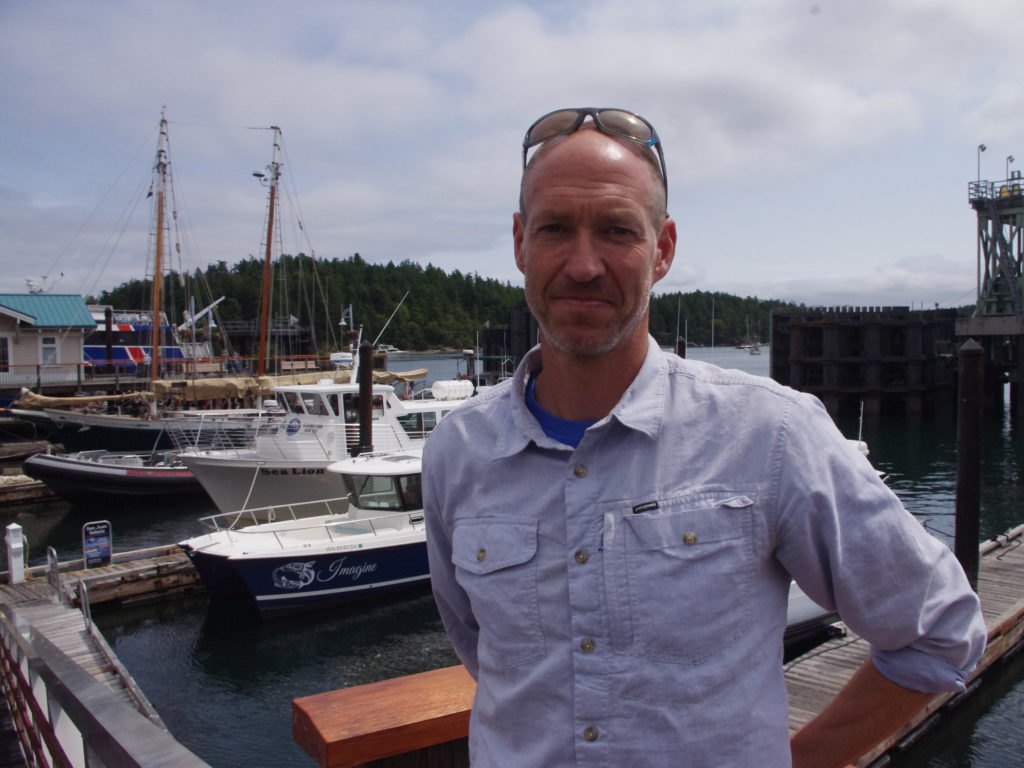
x=442 y=310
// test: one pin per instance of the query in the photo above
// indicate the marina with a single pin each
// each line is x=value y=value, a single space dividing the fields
x=223 y=680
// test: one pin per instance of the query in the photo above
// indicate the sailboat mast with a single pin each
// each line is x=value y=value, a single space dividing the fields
x=271 y=177
x=156 y=299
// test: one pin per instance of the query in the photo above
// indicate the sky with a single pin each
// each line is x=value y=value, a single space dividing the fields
x=818 y=152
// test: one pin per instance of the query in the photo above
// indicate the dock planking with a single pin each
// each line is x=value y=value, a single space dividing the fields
x=57 y=617
x=813 y=679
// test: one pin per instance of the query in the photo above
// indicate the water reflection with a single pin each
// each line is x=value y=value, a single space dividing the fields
x=223 y=679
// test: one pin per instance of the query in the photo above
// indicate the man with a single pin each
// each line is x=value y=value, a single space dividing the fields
x=612 y=533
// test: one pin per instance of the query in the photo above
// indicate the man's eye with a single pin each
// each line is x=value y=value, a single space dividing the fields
x=550 y=228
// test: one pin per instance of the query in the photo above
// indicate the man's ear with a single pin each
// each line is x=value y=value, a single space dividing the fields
x=666 y=249
x=518 y=225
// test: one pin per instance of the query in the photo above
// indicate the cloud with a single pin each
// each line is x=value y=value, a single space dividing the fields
x=811 y=146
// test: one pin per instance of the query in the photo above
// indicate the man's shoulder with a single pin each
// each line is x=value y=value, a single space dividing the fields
x=484 y=407
x=727 y=380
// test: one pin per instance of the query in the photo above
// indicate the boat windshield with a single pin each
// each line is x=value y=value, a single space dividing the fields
x=392 y=493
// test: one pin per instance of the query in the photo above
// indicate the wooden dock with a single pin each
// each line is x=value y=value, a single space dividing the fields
x=66 y=627
x=140 y=574
x=65 y=691
x=423 y=719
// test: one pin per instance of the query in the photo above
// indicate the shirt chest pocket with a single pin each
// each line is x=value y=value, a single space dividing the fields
x=679 y=580
x=496 y=565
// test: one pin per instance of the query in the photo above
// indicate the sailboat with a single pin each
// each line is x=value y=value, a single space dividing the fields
x=137 y=423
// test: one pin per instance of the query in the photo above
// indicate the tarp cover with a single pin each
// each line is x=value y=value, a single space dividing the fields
x=32 y=401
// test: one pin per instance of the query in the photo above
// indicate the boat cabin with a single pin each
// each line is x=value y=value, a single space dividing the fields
x=334 y=403
x=383 y=482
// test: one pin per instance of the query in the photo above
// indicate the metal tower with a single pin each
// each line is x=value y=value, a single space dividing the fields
x=998 y=319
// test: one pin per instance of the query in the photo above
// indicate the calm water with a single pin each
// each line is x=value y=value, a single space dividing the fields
x=223 y=681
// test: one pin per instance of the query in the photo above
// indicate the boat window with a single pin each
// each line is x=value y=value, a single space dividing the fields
x=332 y=405
x=374 y=492
x=316 y=405
x=292 y=402
x=412 y=423
x=386 y=493
x=417 y=425
x=352 y=407
x=411 y=487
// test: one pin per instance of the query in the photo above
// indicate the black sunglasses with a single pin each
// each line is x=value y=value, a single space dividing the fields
x=614 y=122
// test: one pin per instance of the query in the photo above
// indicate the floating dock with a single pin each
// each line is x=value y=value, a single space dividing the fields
x=423 y=719
x=66 y=692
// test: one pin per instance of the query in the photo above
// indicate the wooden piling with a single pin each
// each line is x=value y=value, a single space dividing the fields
x=971 y=394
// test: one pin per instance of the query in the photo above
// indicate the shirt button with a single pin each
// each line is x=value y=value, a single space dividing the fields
x=689 y=538
x=590 y=733
x=587 y=645
x=580 y=470
x=582 y=556
x=481 y=554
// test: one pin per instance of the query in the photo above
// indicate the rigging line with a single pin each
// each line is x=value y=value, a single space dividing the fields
x=223 y=125
x=111 y=247
x=148 y=140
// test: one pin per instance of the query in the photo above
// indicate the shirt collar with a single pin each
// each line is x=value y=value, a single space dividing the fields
x=641 y=406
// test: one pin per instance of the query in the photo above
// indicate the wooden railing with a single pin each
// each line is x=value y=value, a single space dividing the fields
x=419 y=720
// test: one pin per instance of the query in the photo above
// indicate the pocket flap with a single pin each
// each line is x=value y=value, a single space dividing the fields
x=682 y=527
x=486 y=547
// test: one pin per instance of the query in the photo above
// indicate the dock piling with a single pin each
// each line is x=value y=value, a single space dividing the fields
x=968 y=457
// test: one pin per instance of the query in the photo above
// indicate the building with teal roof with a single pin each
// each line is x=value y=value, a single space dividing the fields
x=41 y=337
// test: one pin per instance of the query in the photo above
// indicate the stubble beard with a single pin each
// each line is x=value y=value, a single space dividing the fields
x=587 y=345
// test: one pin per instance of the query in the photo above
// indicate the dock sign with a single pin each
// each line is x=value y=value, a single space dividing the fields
x=97 y=544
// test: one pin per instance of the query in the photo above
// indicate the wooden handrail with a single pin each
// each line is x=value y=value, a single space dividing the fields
x=391 y=718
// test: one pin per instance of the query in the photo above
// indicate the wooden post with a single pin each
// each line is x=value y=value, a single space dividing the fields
x=365 y=400
x=971 y=394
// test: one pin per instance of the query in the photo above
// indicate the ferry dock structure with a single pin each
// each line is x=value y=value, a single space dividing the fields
x=878 y=356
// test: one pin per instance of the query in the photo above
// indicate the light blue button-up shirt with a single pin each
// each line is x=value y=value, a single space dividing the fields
x=623 y=603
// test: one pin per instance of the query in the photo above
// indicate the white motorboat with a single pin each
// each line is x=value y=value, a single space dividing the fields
x=303 y=555
x=286 y=461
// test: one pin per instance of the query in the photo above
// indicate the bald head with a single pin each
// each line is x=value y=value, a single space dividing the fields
x=600 y=156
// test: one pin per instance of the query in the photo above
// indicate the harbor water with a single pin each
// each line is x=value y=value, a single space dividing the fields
x=223 y=680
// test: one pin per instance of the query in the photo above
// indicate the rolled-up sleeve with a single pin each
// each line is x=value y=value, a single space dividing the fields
x=452 y=601
x=850 y=544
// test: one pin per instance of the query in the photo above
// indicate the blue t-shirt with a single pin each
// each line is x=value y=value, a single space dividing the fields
x=562 y=430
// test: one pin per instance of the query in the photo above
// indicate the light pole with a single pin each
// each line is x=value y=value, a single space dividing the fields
x=1009 y=159
x=981 y=148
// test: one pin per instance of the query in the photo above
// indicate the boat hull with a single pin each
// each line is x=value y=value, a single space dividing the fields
x=247 y=483
x=84 y=481
x=87 y=432
x=292 y=581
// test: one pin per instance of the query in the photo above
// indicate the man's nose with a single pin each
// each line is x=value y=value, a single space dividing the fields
x=584 y=262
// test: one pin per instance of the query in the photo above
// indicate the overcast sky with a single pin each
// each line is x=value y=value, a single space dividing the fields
x=817 y=151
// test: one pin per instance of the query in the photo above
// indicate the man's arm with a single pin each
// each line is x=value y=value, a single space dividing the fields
x=868 y=709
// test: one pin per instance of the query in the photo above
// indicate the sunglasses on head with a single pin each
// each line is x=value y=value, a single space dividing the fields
x=614 y=122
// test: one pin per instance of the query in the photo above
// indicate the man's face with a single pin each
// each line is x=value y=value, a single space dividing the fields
x=587 y=244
